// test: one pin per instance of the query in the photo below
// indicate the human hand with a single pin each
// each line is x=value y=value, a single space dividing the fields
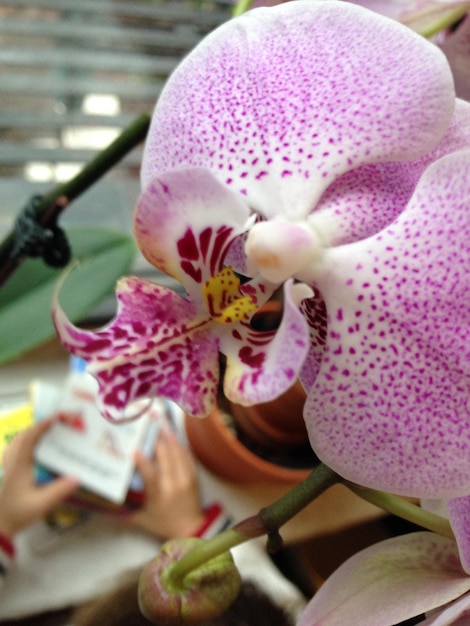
x=22 y=501
x=172 y=506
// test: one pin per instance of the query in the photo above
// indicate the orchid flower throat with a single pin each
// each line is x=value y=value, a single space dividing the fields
x=222 y=298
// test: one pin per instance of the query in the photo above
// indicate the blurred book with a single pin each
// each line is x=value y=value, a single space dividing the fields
x=82 y=443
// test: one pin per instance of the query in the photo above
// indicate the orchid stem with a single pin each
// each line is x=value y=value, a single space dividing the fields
x=241 y=7
x=277 y=514
x=266 y=522
x=404 y=509
x=444 y=19
x=128 y=139
x=55 y=201
x=203 y=553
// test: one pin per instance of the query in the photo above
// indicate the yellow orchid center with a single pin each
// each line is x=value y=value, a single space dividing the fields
x=222 y=298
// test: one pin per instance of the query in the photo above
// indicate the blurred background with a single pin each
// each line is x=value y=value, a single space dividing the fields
x=73 y=74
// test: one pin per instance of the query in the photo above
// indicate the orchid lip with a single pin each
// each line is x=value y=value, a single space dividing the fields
x=222 y=298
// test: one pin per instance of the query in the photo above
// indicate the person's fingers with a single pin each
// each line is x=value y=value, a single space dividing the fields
x=146 y=468
x=55 y=492
x=32 y=435
x=22 y=446
x=20 y=451
x=164 y=456
x=183 y=463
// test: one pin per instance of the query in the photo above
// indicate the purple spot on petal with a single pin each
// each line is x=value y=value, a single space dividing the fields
x=252 y=360
x=187 y=246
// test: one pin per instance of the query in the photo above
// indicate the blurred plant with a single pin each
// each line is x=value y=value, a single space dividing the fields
x=102 y=256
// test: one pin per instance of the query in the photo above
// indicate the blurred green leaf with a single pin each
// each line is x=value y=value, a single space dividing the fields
x=26 y=299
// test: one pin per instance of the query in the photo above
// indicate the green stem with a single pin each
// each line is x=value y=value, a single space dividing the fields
x=55 y=201
x=278 y=513
x=130 y=137
x=267 y=521
x=404 y=509
x=444 y=19
x=203 y=553
x=241 y=7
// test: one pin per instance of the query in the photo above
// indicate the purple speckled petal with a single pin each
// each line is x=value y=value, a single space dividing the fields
x=389 y=582
x=314 y=311
x=262 y=365
x=365 y=200
x=390 y=406
x=281 y=101
x=156 y=345
x=185 y=222
x=459 y=517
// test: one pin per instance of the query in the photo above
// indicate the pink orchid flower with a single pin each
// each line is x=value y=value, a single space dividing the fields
x=339 y=129
x=392 y=581
x=355 y=161
x=161 y=343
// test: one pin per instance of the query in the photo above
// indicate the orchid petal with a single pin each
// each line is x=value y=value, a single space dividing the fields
x=389 y=582
x=278 y=106
x=184 y=224
x=459 y=517
x=457 y=613
x=262 y=365
x=438 y=507
x=155 y=345
x=365 y=200
x=389 y=408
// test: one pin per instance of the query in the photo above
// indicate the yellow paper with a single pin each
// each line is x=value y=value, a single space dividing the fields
x=12 y=421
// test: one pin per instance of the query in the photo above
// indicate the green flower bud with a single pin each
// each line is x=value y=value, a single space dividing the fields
x=203 y=594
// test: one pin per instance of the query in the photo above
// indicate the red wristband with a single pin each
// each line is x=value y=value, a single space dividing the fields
x=7 y=545
x=214 y=521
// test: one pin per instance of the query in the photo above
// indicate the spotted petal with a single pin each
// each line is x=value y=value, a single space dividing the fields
x=185 y=222
x=156 y=345
x=262 y=365
x=459 y=517
x=390 y=406
x=365 y=200
x=281 y=101
x=390 y=582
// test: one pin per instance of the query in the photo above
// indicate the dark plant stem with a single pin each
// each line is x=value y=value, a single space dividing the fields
x=55 y=201
x=270 y=519
x=267 y=522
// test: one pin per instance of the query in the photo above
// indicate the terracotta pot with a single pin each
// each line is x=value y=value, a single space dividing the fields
x=276 y=424
x=218 y=447
x=263 y=443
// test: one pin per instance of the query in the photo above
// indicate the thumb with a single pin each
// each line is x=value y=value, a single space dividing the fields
x=57 y=491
